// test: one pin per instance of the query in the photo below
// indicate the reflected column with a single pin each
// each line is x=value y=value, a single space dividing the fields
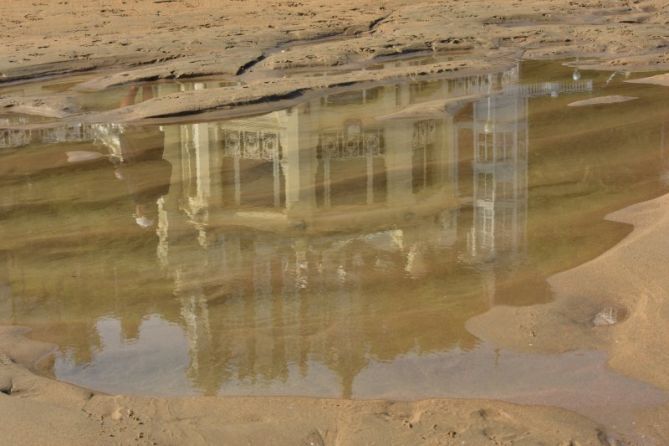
x=299 y=155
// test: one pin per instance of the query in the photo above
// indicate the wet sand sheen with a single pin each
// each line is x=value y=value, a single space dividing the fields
x=312 y=250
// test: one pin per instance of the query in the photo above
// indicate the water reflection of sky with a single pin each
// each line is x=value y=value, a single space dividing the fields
x=154 y=363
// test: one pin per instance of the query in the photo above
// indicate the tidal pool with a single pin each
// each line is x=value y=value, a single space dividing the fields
x=335 y=248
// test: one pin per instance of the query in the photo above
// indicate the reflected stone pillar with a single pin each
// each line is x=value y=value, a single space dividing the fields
x=370 y=176
x=276 y=176
x=399 y=159
x=398 y=136
x=202 y=163
x=200 y=141
x=171 y=221
x=299 y=153
x=216 y=169
x=237 y=178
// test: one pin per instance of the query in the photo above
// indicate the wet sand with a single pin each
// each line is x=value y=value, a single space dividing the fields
x=625 y=287
x=616 y=303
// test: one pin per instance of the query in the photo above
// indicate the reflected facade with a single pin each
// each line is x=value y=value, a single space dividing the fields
x=320 y=225
x=287 y=251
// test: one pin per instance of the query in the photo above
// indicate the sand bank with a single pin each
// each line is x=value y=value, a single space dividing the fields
x=616 y=302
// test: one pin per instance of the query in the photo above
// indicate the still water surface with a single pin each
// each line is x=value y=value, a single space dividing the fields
x=335 y=248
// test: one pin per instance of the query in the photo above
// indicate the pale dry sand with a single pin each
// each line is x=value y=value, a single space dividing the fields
x=658 y=79
x=256 y=41
x=601 y=100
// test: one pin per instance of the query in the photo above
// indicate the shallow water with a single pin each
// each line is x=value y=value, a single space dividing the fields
x=81 y=99
x=336 y=248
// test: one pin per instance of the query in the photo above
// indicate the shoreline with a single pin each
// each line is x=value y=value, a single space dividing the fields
x=624 y=285
x=32 y=405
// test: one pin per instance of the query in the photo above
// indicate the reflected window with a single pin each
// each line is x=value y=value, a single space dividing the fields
x=351 y=167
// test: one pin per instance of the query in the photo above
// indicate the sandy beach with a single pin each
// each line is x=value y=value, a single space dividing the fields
x=270 y=53
x=109 y=41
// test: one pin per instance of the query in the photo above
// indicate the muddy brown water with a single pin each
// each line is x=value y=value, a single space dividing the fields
x=336 y=248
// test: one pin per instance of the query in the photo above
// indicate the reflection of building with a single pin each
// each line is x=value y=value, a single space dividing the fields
x=12 y=135
x=500 y=174
x=360 y=225
x=355 y=195
x=337 y=151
